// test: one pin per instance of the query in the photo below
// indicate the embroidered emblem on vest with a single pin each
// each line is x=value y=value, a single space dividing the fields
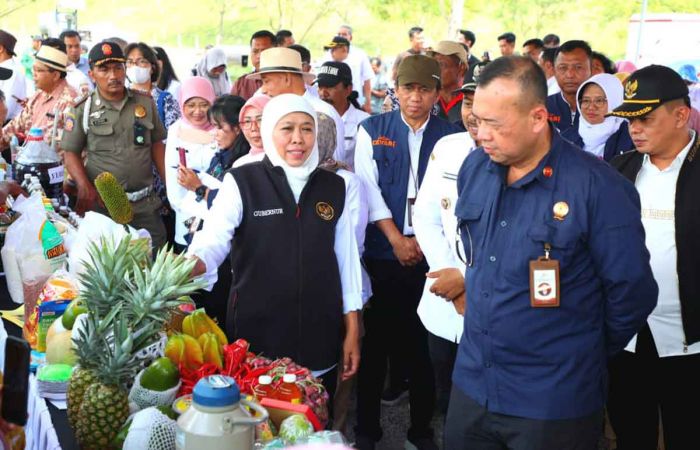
x=693 y=151
x=383 y=140
x=268 y=212
x=324 y=210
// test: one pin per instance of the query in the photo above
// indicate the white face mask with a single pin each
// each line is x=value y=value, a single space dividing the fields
x=138 y=75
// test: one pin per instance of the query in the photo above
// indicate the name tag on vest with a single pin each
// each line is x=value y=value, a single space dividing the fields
x=268 y=212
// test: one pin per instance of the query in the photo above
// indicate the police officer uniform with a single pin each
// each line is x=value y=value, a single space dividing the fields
x=118 y=138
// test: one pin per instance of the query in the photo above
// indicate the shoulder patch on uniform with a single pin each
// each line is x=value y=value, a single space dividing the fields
x=142 y=93
x=77 y=101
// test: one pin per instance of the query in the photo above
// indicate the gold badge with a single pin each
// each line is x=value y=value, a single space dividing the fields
x=631 y=89
x=140 y=111
x=432 y=156
x=445 y=202
x=561 y=209
x=324 y=210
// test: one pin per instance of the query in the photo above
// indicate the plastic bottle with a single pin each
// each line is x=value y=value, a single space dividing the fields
x=3 y=166
x=264 y=388
x=288 y=391
x=27 y=181
x=14 y=148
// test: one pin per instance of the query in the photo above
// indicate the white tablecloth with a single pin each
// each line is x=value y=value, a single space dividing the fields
x=39 y=431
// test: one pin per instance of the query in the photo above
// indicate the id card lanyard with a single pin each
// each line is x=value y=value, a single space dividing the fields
x=411 y=201
x=544 y=281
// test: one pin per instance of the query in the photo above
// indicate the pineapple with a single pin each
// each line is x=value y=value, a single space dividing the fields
x=128 y=301
x=102 y=286
x=105 y=403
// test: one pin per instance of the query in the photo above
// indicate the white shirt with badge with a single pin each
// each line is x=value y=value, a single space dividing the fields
x=212 y=244
x=435 y=225
x=657 y=194
x=351 y=120
x=366 y=168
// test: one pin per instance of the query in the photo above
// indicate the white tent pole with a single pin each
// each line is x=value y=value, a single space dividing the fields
x=642 y=16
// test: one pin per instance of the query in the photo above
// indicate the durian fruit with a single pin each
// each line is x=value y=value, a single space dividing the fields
x=115 y=200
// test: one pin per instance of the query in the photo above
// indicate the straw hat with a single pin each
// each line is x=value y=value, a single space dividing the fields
x=52 y=58
x=280 y=59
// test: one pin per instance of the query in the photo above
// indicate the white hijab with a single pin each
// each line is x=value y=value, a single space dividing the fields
x=275 y=109
x=213 y=58
x=595 y=136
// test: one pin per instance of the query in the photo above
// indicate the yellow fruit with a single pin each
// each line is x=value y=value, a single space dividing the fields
x=212 y=350
x=59 y=350
x=184 y=349
x=175 y=349
x=195 y=324
x=193 y=353
x=214 y=328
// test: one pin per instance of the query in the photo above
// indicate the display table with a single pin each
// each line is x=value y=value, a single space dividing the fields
x=39 y=431
x=47 y=427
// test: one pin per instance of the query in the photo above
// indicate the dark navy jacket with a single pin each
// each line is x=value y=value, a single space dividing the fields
x=389 y=136
x=549 y=363
x=618 y=143
x=560 y=113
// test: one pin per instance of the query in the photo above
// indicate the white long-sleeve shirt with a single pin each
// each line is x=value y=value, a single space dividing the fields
x=351 y=123
x=15 y=86
x=657 y=196
x=356 y=201
x=366 y=169
x=198 y=157
x=212 y=244
x=435 y=224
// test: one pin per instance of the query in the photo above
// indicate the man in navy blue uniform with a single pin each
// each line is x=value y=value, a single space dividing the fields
x=557 y=279
x=572 y=66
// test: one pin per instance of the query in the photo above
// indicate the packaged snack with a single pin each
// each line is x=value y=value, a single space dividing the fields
x=57 y=293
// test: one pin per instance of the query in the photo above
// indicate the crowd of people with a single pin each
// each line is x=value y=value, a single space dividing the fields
x=510 y=241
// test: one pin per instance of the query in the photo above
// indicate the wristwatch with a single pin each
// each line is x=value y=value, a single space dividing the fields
x=200 y=192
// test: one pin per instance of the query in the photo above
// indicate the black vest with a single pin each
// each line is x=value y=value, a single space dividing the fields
x=286 y=296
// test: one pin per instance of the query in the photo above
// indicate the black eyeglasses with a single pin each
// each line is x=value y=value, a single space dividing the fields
x=458 y=244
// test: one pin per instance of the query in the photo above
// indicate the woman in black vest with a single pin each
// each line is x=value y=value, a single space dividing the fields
x=297 y=277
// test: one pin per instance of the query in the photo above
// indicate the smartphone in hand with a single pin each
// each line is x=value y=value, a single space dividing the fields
x=183 y=157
